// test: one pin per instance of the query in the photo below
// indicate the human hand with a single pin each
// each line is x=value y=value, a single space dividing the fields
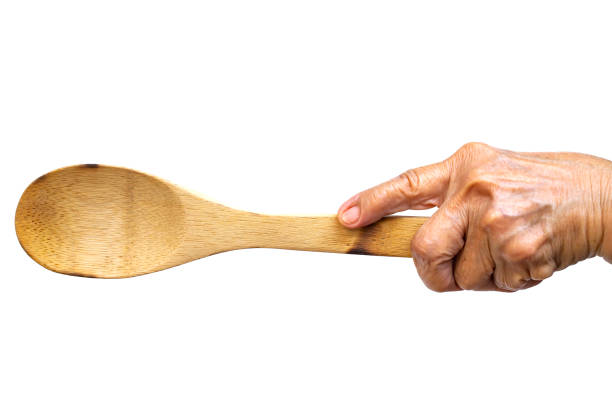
x=506 y=220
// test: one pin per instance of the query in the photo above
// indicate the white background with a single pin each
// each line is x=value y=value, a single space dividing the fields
x=292 y=107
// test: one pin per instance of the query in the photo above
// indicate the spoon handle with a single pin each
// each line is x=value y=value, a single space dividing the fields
x=391 y=236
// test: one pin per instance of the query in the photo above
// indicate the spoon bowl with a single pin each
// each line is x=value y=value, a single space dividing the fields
x=86 y=219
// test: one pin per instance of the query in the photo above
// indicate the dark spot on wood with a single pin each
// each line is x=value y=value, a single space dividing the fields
x=363 y=241
x=359 y=251
x=90 y=166
x=40 y=178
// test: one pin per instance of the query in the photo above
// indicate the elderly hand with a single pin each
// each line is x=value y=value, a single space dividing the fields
x=506 y=220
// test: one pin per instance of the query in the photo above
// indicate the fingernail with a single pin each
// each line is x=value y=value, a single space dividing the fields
x=351 y=215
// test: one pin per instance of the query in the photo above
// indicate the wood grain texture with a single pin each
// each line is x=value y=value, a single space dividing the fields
x=109 y=222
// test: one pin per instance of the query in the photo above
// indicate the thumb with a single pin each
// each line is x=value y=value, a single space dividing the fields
x=417 y=189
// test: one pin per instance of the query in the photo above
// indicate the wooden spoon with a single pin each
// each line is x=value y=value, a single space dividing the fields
x=110 y=222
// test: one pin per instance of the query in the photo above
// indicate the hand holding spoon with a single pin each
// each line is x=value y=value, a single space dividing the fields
x=110 y=222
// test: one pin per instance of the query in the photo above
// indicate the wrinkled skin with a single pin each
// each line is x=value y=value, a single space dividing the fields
x=506 y=220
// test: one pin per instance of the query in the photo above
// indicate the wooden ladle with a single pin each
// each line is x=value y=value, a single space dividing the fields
x=110 y=222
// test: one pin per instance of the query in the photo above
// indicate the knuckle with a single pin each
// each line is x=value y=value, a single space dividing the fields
x=493 y=218
x=520 y=249
x=511 y=280
x=473 y=147
x=409 y=181
x=502 y=282
x=474 y=154
x=542 y=272
x=515 y=254
x=478 y=182
x=470 y=146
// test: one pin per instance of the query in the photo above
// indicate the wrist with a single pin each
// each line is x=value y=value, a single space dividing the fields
x=606 y=209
